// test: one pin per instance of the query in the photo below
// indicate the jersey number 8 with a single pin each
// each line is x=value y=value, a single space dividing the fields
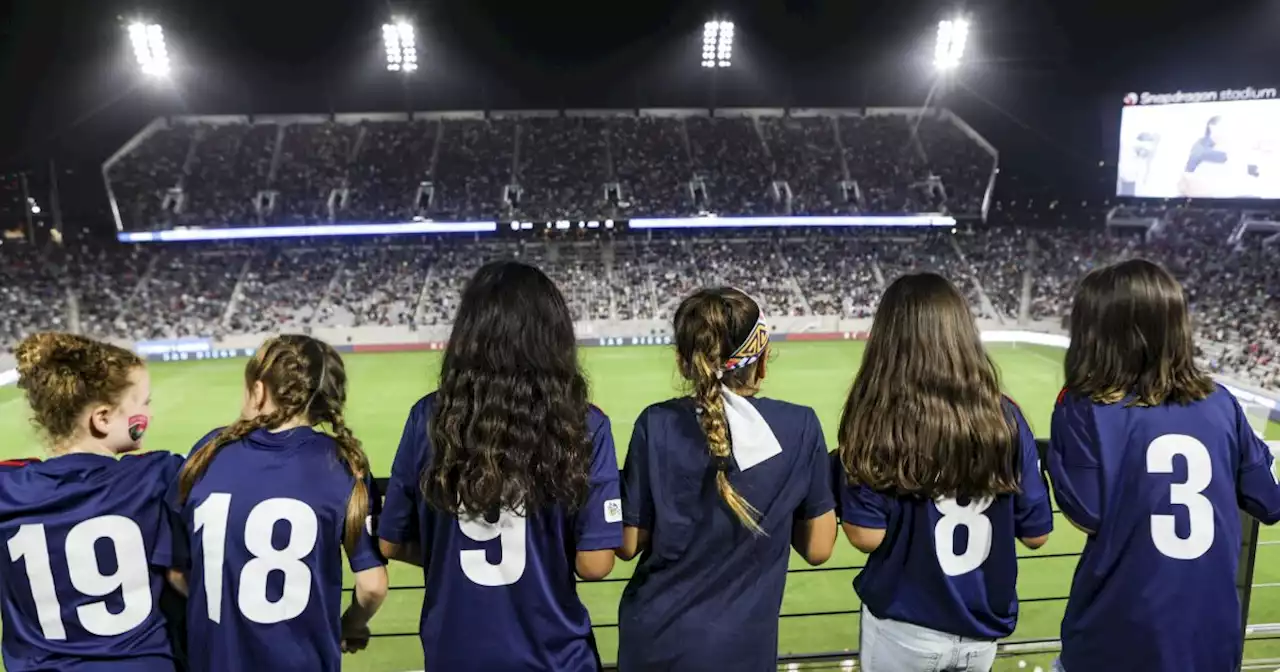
x=211 y=518
x=971 y=517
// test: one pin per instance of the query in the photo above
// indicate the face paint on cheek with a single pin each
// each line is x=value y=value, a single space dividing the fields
x=138 y=426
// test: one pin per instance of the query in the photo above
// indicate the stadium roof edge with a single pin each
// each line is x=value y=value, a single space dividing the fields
x=356 y=117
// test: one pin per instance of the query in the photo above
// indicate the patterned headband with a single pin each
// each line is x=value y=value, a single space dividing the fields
x=751 y=349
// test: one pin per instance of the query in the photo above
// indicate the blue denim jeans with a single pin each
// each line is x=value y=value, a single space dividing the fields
x=894 y=646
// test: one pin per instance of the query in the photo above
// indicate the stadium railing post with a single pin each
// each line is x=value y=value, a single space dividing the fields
x=1244 y=574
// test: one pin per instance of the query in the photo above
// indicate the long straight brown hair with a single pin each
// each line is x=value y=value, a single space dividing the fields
x=925 y=415
x=1131 y=335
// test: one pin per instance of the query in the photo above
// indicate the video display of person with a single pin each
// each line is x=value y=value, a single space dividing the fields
x=1200 y=150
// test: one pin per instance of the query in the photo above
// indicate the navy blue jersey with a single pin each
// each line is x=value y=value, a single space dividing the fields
x=83 y=536
x=707 y=593
x=503 y=596
x=951 y=565
x=265 y=525
x=10 y=465
x=1160 y=487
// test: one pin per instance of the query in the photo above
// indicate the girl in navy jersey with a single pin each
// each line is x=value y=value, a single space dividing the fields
x=269 y=505
x=84 y=535
x=719 y=486
x=505 y=486
x=941 y=477
x=1152 y=459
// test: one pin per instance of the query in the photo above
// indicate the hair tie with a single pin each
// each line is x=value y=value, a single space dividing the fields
x=722 y=463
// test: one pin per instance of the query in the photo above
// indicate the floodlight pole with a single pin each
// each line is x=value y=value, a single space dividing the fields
x=26 y=207
x=711 y=90
x=55 y=200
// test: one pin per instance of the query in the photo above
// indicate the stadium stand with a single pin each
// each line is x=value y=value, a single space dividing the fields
x=217 y=171
x=1017 y=276
x=469 y=166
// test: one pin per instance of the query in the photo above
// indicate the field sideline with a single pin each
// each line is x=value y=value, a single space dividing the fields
x=193 y=397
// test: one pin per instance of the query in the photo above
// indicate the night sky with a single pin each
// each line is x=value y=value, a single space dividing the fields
x=1044 y=81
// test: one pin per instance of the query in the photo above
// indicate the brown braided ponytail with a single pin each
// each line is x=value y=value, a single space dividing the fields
x=708 y=326
x=305 y=378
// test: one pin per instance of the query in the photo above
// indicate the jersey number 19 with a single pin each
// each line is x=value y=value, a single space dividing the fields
x=131 y=577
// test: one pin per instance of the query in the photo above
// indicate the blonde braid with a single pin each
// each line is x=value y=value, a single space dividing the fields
x=706 y=364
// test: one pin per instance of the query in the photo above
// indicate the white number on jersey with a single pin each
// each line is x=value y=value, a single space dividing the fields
x=971 y=518
x=211 y=517
x=132 y=577
x=1199 y=509
x=511 y=529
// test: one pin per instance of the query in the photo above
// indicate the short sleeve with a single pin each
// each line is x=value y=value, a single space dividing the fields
x=365 y=554
x=177 y=553
x=398 y=522
x=819 y=499
x=862 y=506
x=1033 y=513
x=1074 y=466
x=171 y=543
x=637 y=497
x=599 y=521
x=1258 y=491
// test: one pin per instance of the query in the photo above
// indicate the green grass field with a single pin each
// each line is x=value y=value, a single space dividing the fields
x=193 y=397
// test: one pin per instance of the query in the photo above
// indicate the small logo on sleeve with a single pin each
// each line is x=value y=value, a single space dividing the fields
x=613 y=511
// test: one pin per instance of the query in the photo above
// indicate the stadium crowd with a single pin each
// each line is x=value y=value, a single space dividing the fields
x=552 y=166
x=460 y=168
x=141 y=292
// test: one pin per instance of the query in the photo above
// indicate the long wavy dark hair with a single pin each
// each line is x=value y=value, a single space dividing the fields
x=925 y=415
x=509 y=428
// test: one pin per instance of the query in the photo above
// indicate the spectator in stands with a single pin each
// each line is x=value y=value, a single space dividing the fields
x=1133 y=389
x=690 y=537
x=928 y=441
x=91 y=401
x=509 y=447
x=275 y=466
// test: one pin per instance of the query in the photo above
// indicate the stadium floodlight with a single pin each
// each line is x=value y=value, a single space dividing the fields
x=717 y=44
x=149 y=49
x=401 y=46
x=953 y=37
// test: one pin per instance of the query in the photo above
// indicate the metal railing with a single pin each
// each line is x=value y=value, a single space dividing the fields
x=833 y=660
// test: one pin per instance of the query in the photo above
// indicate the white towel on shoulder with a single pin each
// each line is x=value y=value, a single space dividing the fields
x=753 y=439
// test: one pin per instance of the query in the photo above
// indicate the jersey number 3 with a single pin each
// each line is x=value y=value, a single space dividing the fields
x=131 y=576
x=1199 y=509
x=211 y=519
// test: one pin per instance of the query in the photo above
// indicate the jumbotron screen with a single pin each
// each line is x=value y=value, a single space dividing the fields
x=1200 y=144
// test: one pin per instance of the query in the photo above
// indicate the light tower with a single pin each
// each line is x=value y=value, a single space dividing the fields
x=401 y=46
x=149 y=48
x=953 y=37
x=717 y=44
